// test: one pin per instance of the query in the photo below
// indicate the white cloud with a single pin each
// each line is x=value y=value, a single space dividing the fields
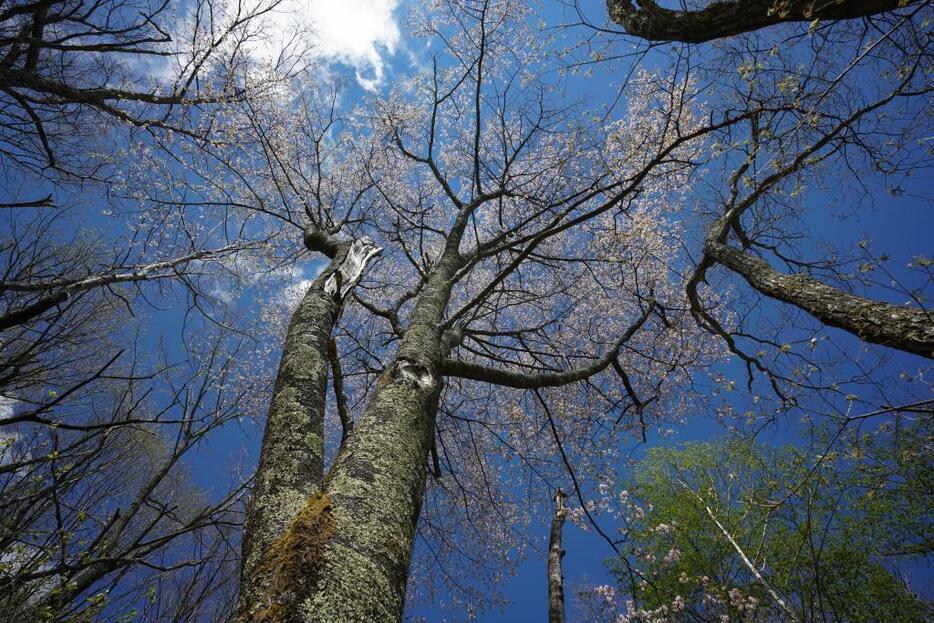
x=295 y=284
x=291 y=295
x=7 y=407
x=358 y=33
x=8 y=439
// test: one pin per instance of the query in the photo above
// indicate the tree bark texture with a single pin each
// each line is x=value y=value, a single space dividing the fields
x=344 y=556
x=898 y=326
x=732 y=17
x=291 y=464
x=555 y=554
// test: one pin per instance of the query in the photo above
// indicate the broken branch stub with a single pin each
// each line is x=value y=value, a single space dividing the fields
x=342 y=281
x=414 y=374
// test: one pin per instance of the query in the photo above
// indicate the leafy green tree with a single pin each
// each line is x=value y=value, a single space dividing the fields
x=734 y=530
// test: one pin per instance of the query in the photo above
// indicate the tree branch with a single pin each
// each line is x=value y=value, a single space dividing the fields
x=519 y=380
x=733 y=17
x=749 y=565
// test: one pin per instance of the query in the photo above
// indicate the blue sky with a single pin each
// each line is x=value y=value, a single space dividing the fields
x=374 y=47
x=369 y=40
x=900 y=225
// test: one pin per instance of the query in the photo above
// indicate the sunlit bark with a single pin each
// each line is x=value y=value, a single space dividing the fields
x=292 y=456
x=555 y=554
x=359 y=531
x=732 y=17
x=898 y=326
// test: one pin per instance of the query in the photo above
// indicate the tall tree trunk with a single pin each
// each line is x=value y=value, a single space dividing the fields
x=345 y=555
x=898 y=326
x=291 y=463
x=732 y=17
x=555 y=554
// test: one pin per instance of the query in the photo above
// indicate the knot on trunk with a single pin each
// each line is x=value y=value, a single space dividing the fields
x=560 y=509
x=413 y=373
x=619 y=10
x=452 y=338
x=634 y=20
x=317 y=240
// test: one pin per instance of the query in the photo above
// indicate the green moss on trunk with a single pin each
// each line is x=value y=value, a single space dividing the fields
x=290 y=568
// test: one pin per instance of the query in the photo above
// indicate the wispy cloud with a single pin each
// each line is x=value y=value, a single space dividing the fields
x=358 y=33
x=294 y=282
x=361 y=34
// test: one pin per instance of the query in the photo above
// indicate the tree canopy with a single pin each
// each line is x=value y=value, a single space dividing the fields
x=733 y=528
x=281 y=342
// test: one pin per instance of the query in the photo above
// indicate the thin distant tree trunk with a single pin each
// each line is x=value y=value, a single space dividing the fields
x=898 y=326
x=555 y=554
x=345 y=554
x=789 y=612
x=732 y=17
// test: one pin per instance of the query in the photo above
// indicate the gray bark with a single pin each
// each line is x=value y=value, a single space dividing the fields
x=345 y=554
x=376 y=486
x=65 y=289
x=732 y=17
x=555 y=554
x=291 y=464
x=897 y=326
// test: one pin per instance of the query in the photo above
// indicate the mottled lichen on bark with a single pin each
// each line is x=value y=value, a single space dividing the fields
x=292 y=456
x=377 y=481
x=291 y=464
x=898 y=326
x=376 y=486
x=290 y=568
x=555 y=554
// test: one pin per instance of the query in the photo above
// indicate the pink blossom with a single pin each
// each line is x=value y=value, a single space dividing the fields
x=606 y=591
